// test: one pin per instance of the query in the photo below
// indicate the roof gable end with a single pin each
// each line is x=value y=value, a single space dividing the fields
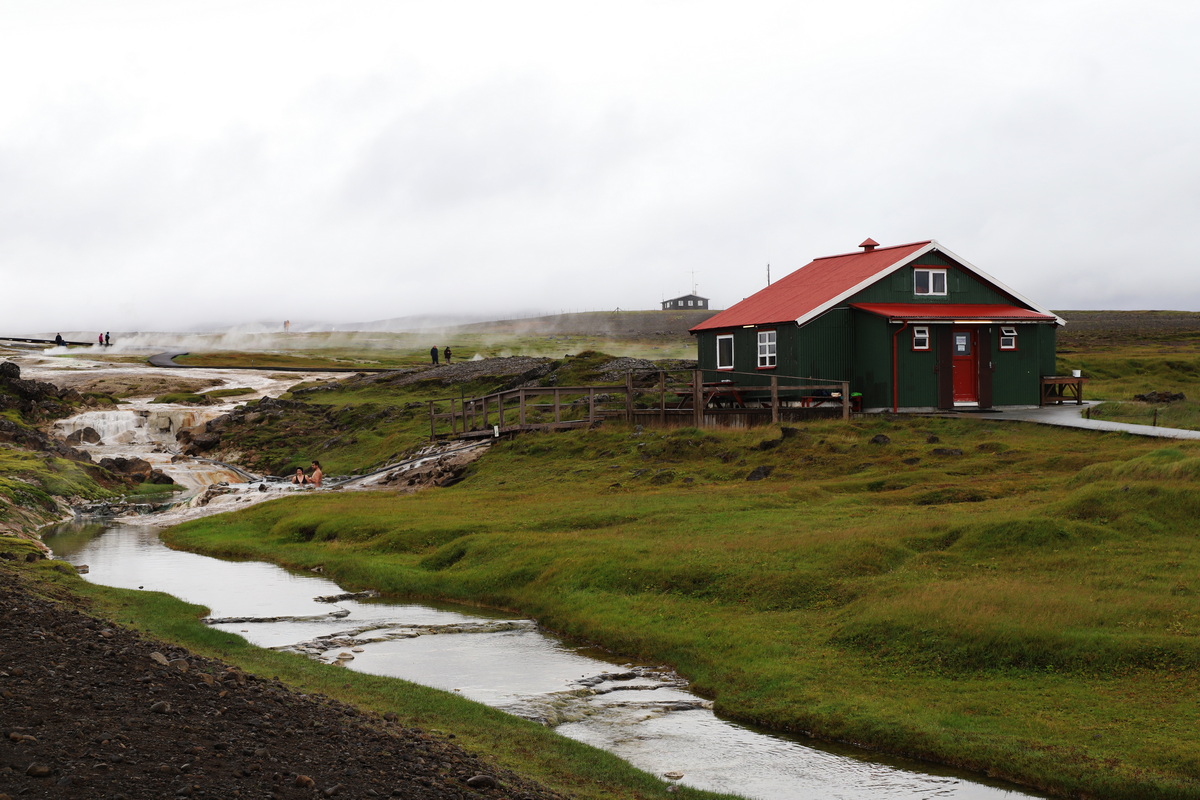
x=828 y=281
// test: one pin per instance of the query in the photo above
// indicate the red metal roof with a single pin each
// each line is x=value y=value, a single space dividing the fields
x=973 y=312
x=811 y=287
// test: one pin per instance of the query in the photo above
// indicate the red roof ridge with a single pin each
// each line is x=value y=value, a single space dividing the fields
x=921 y=243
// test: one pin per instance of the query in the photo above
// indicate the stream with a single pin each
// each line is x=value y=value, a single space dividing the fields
x=643 y=713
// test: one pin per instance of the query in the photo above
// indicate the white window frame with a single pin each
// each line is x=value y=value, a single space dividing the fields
x=1008 y=337
x=729 y=338
x=768 y=355
x=931 y=281
x=920 y=338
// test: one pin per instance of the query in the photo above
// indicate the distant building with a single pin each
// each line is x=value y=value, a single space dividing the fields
x=688 y=301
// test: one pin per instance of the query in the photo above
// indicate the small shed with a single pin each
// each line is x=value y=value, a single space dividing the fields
x=689 y=302
x=911 y=327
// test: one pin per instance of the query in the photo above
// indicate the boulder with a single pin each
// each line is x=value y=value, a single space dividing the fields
x=85 y=435
x=137 y=468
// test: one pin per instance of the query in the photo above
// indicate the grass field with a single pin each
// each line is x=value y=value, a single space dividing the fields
x=1012 y=599
x=1015 y=599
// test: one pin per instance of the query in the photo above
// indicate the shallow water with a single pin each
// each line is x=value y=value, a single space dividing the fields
x=637 y=711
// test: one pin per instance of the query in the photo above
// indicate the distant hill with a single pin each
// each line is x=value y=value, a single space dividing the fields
x=1091 y=328
x=610 y=324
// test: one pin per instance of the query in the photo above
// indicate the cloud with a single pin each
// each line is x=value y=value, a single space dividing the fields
x=170 y=167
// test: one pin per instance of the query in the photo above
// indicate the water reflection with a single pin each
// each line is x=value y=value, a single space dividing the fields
x=639 y=713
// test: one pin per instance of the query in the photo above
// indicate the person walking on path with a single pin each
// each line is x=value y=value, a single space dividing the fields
x=107 y=339
x=447 y=354
x=58 y=340
x=433 y=355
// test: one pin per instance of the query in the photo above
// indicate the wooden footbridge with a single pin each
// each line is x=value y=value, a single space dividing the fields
x=691 y=398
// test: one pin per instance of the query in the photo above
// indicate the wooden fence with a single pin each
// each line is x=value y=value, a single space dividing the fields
x=661 y=399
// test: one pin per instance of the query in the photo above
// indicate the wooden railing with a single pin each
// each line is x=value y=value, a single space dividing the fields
x=659 y=398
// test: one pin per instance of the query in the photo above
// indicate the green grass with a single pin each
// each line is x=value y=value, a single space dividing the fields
x=201 y=398
x=1029 y=608
x=572 y=768
x=33 y=484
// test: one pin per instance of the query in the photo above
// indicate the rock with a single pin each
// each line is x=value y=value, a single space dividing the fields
x=947 y=451
x=1160 y=397
x=160 y=478
x=482 y=782
x=159 y=658
x=881 y=438
x=161 y=707
x=36 y=770
x=134 y=467
x=85 y=435
x=180 y=664
x=758 y=473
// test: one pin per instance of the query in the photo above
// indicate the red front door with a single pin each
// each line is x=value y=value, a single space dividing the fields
x=965 y=365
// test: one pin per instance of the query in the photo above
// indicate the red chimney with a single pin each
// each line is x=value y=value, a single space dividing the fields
x=869 y=245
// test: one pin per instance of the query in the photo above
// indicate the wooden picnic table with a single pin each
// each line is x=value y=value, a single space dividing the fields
x=1058 y=389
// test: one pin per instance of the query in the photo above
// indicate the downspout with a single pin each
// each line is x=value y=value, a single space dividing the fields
x=896 y=368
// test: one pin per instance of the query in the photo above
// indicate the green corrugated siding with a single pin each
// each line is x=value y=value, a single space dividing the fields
x=961 y=287
x=1017 y=377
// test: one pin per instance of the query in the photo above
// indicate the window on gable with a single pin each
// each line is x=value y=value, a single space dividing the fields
x=725 y=352
x=920 y=338
x=929 y=281
x=1008 y=338
x=766 y=349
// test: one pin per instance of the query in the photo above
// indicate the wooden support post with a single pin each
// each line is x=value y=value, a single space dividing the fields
x=591 y=405
x=697 y=398
x=521 y=409
x=629 y=397
x=557 y=408
x=774 y=399
x=845 y=400
x=662 y=397
x=500 y=401
x=453 y=419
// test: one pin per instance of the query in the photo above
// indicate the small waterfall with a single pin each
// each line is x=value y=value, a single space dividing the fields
x=136 y=426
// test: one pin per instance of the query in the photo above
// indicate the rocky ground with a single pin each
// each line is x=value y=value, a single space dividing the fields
x=90 y=710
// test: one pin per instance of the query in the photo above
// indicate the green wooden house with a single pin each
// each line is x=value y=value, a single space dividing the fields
x=911 y=327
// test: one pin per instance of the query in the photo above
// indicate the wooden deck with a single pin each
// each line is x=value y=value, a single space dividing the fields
x=666 y=400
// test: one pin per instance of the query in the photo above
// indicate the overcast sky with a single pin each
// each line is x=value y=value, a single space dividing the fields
x=168 y=165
